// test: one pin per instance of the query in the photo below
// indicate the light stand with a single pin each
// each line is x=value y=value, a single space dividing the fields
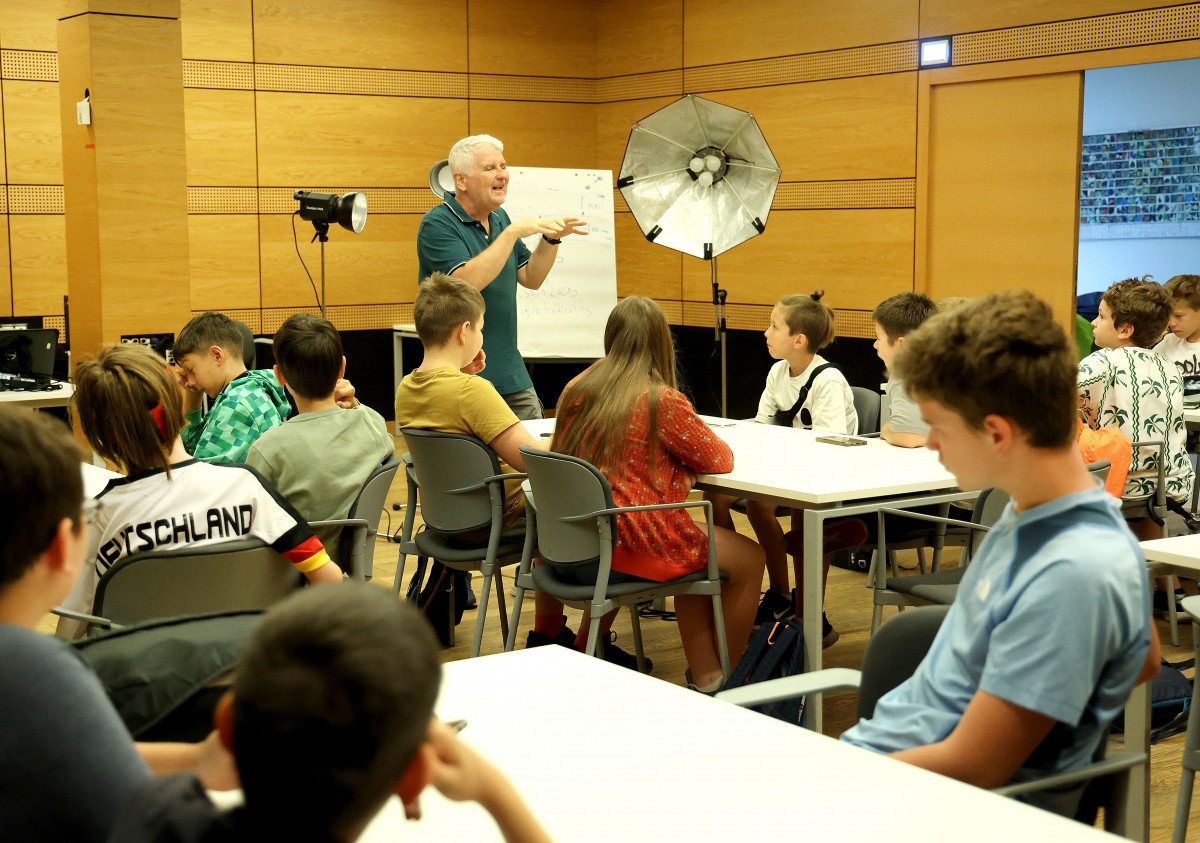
x=349 y=211
x=719 y=327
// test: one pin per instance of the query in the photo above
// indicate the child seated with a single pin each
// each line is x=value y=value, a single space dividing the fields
x=803 y=390
x=895 y=318
x=1181 y=345
x=245 y=403
x=334 y=696
x=1127 y=385
x=128 y=404
x=320 y=458
x=1017 y=685
x=441 y=394
x=626 y=417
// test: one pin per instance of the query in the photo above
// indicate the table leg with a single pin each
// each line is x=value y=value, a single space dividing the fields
x=809 y=573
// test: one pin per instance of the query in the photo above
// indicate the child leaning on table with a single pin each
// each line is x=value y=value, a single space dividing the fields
x=625 y=416
x=805 y=391
x=1014 y=687
x=331 y=714
x=1181 y=345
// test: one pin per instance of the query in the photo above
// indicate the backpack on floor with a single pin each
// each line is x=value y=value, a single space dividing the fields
x=775 y=651
x=1170 y=699
x=432 y=595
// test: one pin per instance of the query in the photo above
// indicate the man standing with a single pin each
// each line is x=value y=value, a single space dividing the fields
x=471 y=237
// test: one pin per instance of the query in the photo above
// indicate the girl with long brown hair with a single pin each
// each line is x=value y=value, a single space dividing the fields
x=626 y=416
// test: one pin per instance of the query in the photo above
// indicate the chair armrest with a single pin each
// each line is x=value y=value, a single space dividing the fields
x=819 y=681
x=616 y=510
x=340 y=522
x=1113 y=764
x=936 y=519
x=94 y=620
x=494 y=478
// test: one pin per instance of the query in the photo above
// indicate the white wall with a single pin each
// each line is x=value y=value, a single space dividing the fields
x=1121 y=99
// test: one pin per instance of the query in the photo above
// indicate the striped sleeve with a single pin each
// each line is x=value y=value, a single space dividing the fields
x=277 y=523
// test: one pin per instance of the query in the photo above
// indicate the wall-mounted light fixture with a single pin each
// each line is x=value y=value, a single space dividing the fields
x=935 y=52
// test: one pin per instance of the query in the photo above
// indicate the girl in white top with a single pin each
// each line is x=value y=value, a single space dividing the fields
x=800 y=327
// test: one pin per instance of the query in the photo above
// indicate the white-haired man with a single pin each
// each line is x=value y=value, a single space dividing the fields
x=471 y=237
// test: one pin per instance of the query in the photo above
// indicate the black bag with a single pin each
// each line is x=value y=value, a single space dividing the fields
x=165 y=677
x=784 y=418
x=775 y=651
x=1170 y=699
x=433 y=598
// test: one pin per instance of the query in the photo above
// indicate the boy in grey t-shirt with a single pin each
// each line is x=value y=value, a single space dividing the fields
x=895 y=317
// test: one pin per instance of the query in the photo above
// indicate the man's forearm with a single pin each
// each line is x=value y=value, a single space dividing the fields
x=540 y=264
x=483 y=269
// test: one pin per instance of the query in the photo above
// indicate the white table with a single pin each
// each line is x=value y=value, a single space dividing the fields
x=602 y=753
x=60 y=397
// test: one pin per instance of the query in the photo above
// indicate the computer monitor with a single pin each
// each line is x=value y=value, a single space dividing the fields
x=28 y=353
x=9 y=323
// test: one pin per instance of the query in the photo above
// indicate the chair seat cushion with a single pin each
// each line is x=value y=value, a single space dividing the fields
x=450 y=549
x=546 y=578
x=938 y=587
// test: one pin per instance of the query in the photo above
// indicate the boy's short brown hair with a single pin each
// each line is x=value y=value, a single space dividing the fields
x=1185 y=289
x=902 y=314
x=209 y=329
x=1143 y=304
x=308 y=350
x=1000 y=355
x=443 y=303
x=810 y=316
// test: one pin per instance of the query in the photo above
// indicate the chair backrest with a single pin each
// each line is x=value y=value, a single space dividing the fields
x=564 y=487
x=895 y=651
x=1099 y=470
x=989 y=506
x=351 y=545
x=867 y=406
x=229 y=576
x=249 y=352
x=373 y=495
x=450 y=469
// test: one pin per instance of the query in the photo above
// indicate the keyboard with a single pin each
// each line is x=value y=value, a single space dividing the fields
x=28 y=385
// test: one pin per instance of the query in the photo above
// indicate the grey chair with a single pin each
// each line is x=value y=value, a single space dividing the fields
x=351 y=540
x=867 y=407
x=226 y=577
x=1190 y=759
x=461 y=488
x=892 y=657
x=1154 y=507
x=572 y=515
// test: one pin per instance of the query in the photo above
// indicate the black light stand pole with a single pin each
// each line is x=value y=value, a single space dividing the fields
x=718 y=301
x=322 y=234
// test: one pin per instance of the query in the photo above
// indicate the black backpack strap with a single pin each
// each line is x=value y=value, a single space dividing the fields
x=784 y=418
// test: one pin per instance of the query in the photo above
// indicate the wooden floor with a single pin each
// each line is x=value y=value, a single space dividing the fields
x=848 y=605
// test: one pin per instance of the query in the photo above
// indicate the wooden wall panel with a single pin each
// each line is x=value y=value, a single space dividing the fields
x=379 y=265
x=217 y=30
x=3 y=158
x=715 y=33
x=29 y=24
x=5 y=270
x=537 y=134
x=613 y=122
x=33 y=133
x=39 y=263
x=220 y=137
x=223 y=260
x=1003 y=195
x=638 y=36
x=307 y=140
x=644 y=269
x=560 y=40
x=858 y=257
x=393 y=34
x=841 y=129
x=949 y=17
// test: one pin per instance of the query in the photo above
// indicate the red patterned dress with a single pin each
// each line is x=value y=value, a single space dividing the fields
x=664 y=544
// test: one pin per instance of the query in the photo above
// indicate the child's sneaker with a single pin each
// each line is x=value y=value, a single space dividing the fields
x=829 y=635
x=615 y=655
x=565 y=638
x=775 y=606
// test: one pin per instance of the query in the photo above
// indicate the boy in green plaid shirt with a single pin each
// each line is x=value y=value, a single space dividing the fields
x=245 y=403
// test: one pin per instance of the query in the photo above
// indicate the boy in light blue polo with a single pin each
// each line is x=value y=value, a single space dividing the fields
x=1018 y=683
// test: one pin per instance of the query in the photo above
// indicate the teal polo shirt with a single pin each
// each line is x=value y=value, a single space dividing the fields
x=447 y=239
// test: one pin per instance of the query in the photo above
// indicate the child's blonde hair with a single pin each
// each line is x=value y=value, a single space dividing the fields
x=639 y=359
x=129 y=407
x=810 y=316
x=1185 y=289
x=443 y=303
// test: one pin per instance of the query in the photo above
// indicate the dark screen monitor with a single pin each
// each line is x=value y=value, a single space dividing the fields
x=28 y=353
x=8 y=322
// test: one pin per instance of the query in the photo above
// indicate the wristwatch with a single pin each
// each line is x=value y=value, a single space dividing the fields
x=551 y=242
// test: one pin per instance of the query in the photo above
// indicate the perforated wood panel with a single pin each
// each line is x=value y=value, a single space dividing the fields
x=349 y=318
x=1151 y=26
x=869 y=193
x=222 y=200
x=35 y=199
x=28 y=64
x=380 y=200
x=752 y=317
x=251 y=317
x=4 y=202
x=57 y=322
x=218 y=74
x=537 y=88
x=834 y=64
x=639 y=86
x=352 y=80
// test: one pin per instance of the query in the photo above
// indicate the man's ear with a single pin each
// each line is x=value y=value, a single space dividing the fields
x=61 y=555
x=417 y=774
x=1124 y=331
x=218 y=353
x=899 y=341
x=341 y=371
x=460 y=333
x=279 y=373
x=1002 y=431
x=223 y=720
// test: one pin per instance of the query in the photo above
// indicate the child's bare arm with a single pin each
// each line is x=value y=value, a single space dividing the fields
x=462 y=774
